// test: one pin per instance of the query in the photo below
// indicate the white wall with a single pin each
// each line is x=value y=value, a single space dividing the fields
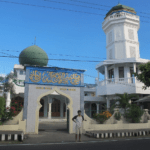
x=19 y=76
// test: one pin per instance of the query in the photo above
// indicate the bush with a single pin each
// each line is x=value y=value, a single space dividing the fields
x=102 y=116
x=134 y=113
x=2 y=106
x=118 y=116
x=15 y=108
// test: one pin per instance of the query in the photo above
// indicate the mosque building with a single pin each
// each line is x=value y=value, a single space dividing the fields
x=121 y=25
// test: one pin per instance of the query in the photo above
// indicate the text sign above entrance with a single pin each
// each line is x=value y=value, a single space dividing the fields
x=54 y=76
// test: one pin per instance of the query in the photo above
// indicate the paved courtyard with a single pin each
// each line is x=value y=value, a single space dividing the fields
x=56 y=132
x=52 y=132
x=53 y=126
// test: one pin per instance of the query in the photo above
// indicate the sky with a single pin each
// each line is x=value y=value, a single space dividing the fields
x=60 y=30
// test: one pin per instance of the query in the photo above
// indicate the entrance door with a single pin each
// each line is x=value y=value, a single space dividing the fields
x=41 y=112
x=68 y=120
x=93 y=109
x=64 y=110
x=56 y=108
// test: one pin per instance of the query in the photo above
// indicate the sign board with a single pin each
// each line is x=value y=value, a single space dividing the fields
x=54 y=76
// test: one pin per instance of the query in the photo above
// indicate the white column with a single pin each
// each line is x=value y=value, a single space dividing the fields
x=45 y=106
x=106 y=76
x=61 y=108
x=126 y=73
x=66 y=107
x=116 y=73
x=134 y=70
x=8 y=100
x=97 y=108
x=108 y=103
x=49 y=106
x=98 y=75
x=49 y=112
x=134 y=67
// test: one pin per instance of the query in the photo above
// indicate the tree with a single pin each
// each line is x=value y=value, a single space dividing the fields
x=2 y=106
x=124 y=100
x=144 y=76
x=8 y=86
x=134 y=113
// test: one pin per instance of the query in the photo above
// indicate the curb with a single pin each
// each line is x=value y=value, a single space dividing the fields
x=115 y=140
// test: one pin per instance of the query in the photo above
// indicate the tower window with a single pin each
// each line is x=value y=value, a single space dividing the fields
x=132 y=52
x=131 y=34
x=21 y=72
x=111 y=73
x=121 y=72
x=110 y=37
x=110 y=54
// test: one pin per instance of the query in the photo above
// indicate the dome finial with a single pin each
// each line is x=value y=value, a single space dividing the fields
x=35 y=40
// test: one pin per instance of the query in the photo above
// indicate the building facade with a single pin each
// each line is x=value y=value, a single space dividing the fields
x=121 y=26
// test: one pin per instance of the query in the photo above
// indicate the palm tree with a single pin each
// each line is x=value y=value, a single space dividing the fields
x=124 y=100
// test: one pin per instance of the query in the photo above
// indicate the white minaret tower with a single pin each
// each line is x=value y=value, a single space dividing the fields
x=121 y=27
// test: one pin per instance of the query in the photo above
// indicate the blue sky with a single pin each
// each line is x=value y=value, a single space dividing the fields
x=63 y=32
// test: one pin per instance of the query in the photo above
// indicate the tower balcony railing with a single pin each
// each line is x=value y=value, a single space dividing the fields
x=131 y=80
x=118 y=15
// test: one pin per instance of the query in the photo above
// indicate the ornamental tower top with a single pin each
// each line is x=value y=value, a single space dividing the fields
x=121 y=27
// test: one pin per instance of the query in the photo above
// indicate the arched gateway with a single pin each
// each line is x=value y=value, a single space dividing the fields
x=46 y=81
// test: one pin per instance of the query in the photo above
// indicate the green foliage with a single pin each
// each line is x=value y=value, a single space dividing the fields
x=112 y=108
x=124 y=100
x=7 y=115
x=134 y=113
x=8 y=86
x=100 y=118
x=144 y=76
x=2 y=106
x=118 y=116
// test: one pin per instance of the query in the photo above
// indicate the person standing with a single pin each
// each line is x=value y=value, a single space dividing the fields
x=78 y=119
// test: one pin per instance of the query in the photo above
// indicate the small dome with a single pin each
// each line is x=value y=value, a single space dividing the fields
x=120 y=7
x=33 y=55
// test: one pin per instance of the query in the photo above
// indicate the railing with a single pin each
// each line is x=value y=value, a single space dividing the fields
x=121 y=14
x=131 y=80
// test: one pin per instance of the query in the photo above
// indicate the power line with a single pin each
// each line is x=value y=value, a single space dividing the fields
x=73 y=69
x=55 y=59
x=82 y=6
x=60 y=9
x=57 y=54
x=75 y=5
x=8 y=54
x=89 y=3
x=52 y=8
x=102 y=5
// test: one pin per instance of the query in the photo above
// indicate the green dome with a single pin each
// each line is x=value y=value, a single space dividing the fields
x=121 y=7
x=33 y=55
